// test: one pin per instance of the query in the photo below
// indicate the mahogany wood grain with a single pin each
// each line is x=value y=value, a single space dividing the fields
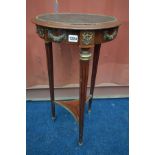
x=49 y=55
x=71 y=106
x=94 y=71
x=76 y=21
x=84 y=68
x=90 y=30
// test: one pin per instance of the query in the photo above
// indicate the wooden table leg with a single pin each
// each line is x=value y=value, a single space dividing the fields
x=85 y=56
x=49 y=54
x=94 y=71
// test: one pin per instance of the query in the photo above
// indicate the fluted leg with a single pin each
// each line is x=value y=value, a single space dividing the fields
x=94 y=71
x=49 y=54
x=84 y=68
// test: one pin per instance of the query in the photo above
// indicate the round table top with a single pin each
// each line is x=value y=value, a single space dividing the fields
x=76 y=21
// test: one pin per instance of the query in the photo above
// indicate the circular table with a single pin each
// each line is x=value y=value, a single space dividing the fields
x=87 y=31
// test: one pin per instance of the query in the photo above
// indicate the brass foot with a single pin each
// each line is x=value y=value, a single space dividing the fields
x=54 y=118
x=89 y=110
x=80 y=143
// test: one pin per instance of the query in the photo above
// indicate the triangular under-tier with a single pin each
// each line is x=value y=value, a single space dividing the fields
x=71 y=106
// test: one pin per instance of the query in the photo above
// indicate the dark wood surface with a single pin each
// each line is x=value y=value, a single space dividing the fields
x=76 y=21
x=49 y=55
x=90 y=31
x=84 y=68
x=94 y=72
x=71 y=106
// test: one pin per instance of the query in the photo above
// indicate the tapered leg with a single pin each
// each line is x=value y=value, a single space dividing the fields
x=84 y=68
x=94 y=71
x=49 y=54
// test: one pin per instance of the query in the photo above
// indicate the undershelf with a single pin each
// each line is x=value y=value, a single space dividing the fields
x=72 y=106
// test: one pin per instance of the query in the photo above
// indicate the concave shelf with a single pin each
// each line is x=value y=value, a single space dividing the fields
x=72 y=106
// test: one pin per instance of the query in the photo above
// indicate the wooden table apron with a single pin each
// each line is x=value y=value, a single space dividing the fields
x=87 y=31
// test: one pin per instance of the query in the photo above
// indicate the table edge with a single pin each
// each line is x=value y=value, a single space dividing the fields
x=76 y=26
